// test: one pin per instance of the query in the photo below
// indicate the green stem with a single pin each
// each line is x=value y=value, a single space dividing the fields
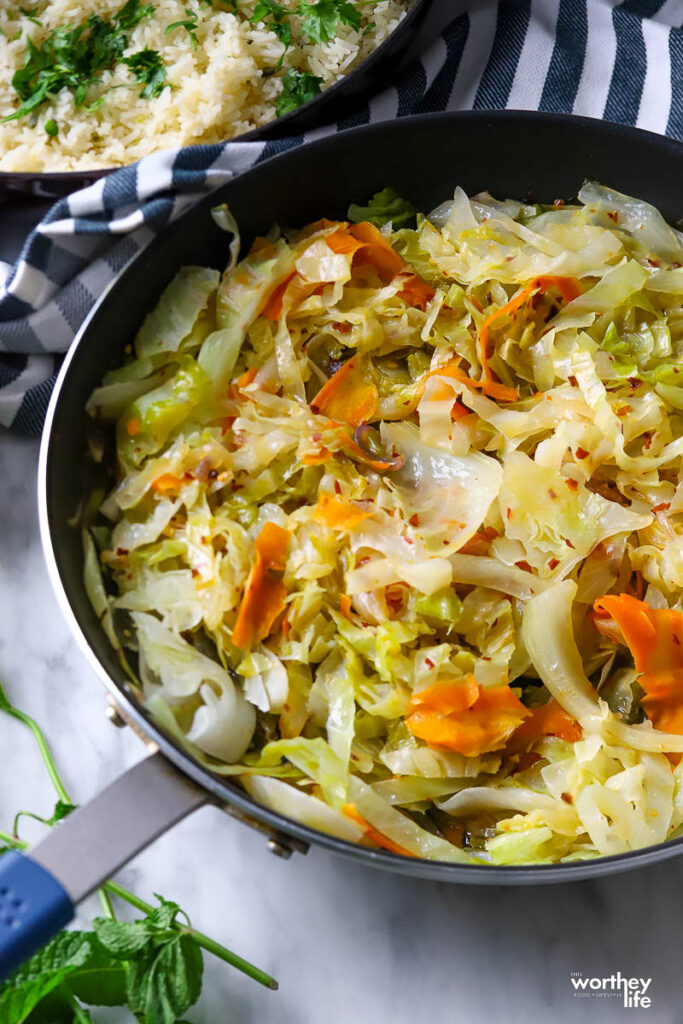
x=80 y=1016
x=210 y=945
x=106 y=904
x=16 y=844
x=44 y=749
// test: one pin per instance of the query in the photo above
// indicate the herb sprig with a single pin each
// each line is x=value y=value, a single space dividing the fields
x=297 y=87
x=153 y=966
x=320 y=22
x=74 y=58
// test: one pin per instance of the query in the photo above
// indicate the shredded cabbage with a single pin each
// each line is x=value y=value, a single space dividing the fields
x=396 y=534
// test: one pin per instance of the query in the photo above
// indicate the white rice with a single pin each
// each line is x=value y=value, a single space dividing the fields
x=218 y=91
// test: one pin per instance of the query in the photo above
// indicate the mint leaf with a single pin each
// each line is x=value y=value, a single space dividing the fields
x=165 y=980
x=101 y=981
x=62 y=809
x=385 y=207
x=298 y=87
x=54 y=1009
x=25 y=989
x=164 y=975
x=121 y=939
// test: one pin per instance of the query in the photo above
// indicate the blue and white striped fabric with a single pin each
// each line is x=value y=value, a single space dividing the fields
x=622 y=61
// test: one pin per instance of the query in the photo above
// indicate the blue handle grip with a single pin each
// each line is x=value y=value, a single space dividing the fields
x=34 y=907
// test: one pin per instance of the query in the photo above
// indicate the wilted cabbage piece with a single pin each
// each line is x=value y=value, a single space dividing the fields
x=396 y=538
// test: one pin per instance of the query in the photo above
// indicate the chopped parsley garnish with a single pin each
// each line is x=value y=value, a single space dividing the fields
x=30 y=13
x=189 y=24
x=276 y=17
x=74 y=58
x=321 y=20
x=149 y=71
x=298 y=87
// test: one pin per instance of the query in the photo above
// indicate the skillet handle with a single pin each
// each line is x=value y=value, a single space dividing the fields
x=38 y=893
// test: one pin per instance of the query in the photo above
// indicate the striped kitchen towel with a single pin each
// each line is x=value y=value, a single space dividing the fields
x=622 y=61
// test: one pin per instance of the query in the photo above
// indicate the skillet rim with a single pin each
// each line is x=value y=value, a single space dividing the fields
x=223 y=791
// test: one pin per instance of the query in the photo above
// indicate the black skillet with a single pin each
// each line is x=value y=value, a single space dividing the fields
x=514 y=154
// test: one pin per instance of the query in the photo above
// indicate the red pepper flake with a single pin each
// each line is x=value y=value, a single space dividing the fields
x=654 y=263
x=568 y=798
x=195 y=572
x=508 y=513
x=414 y=520
x=573 y=381
x=523 y=565
x=341 y=328
x=581 y=453
x=568 y=543
x=625 y=410
x=429 y=663
x=337 y=487
x=573 y=485
x=662 y=507
x=613 y=215
x=553 y=563
x=124 y=551
x=552 y=493
x=634 y=382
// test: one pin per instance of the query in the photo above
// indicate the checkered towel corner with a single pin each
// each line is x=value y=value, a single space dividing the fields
x=599 y=58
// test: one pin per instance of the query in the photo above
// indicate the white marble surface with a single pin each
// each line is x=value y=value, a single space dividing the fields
x=347 y=943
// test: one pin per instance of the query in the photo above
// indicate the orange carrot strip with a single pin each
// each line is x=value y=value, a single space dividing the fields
x=646 y=631
x=485 y=726
x=492 y=388
x=348 y=396
x=246 y=378
x=548 y=720
x=273 y=307
x=166 y=482
x=371 y=246
x=655 y=638
x=416 y=292
x=372 y=833
x=568 y=288
x=448 y=695
x=458 y=411
x=345 y=607
x=265 y=593
x=337 y=513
